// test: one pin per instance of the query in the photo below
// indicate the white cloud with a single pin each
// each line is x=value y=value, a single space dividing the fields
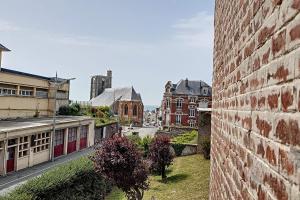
x=196 y=31
x=8 y=26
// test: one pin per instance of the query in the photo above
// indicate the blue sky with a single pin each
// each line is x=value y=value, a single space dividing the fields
x=145 y=43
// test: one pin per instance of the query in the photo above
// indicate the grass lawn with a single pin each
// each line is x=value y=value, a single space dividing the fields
x=188 y=178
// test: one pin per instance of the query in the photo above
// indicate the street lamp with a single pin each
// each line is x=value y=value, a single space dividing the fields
x=56 y=86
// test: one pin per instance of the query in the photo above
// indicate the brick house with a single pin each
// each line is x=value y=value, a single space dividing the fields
x=125 y=102
x=180 y=103
x=256 y=100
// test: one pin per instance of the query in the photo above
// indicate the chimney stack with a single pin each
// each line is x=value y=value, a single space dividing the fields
x=186 y=82
x=109 y=73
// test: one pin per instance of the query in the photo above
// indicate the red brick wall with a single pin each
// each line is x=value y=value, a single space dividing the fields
x=256 y=100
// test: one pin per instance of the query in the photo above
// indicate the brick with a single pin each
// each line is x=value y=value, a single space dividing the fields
x=256 y=100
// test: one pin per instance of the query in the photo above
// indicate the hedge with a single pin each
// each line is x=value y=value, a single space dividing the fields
x=75 y=180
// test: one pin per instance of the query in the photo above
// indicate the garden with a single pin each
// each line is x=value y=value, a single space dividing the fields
x=128 y=167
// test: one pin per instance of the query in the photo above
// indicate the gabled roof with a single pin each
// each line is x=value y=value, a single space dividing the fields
x=187 y=87
x=111 y=95
x=3 y=48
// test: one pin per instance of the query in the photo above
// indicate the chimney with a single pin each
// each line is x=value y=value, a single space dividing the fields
x=186 y=82
x=2 y=48
x=109 y=73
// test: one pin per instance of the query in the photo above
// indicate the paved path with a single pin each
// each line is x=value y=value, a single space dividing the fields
x=143 y=132
x=9 y=182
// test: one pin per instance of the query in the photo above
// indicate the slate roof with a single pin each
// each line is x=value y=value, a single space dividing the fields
x=110 y=95
x=3 y=48
x=192 y=88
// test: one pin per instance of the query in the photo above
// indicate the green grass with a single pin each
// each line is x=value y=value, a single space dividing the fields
x=188 y=178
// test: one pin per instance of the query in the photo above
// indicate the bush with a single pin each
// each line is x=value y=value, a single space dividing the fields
x=75 y=180
x=204 y=145
x=160 y=154
x=135 y=139
x=145 y=144
x=178 y=148
x=119 y=160
x=185 y=138
x=73 y=109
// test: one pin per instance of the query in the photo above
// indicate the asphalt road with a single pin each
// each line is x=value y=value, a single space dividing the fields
x=9 y=182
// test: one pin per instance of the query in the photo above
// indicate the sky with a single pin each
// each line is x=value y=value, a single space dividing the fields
x=145 y=43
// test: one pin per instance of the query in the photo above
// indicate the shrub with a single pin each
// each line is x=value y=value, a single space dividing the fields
x=73 y=109
x=185 y=138
x=160 y=154
x=178 y=148
x=145 y=143
x=204 y=145
x=75 y=180
x=119 y=160
x=135 y=139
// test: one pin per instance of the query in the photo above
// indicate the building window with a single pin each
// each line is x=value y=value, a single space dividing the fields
x=6 y=90
x=84 y=131
x=40 y=142
x=126 y=109
x=42 y=93
x=26 y=93
x=205 y=91
x=192 y=112
x=178 y=119
x=192 y=99
x=72 y=134
x=59 y=137
x=192 y=123
x=135 y=110
x=179 y=103
x=167 y=103
x=23 y=146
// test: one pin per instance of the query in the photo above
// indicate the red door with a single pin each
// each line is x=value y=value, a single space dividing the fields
x=83 y=143
x=83 y=137
x=10 y=166
x=72 y=136
x=59 y=143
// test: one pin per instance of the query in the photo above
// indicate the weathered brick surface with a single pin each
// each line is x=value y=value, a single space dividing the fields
x=256 y=100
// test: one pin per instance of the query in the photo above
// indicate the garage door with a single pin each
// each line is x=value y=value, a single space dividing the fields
x=72 y=136
x=83 y=137
x=59 y=143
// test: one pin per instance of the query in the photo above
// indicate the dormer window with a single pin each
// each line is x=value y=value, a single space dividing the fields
x=205 y=91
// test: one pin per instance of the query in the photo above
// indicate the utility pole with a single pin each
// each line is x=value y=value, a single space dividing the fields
x=56 y=86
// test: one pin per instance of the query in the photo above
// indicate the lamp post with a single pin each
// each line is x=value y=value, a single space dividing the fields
x=56 y=86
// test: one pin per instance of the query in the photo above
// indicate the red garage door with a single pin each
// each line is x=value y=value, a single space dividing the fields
x=10 y=165
x=83 y=137
x=59 y=143
x=72 y=136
